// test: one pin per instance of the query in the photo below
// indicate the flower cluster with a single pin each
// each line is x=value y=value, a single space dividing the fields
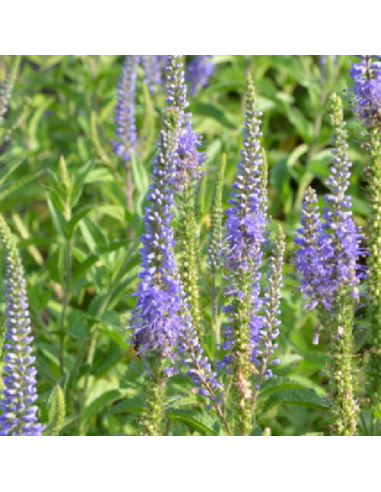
x=329 y=250
x=19 y=413
x=366 y=75
x=125 y=110
x=200 y=70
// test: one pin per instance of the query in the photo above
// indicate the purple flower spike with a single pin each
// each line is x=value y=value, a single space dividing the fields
x=329 y=252
x=157 y=318
x=246 y=227
x=18 y=406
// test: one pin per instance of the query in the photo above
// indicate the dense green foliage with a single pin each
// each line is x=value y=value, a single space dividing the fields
x=62 y=191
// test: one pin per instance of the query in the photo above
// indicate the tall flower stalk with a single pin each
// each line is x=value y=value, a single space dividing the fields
x=366 y=75
x=18 y=410
x=188 y=173
x=246 y=224
x=328 y=266
x=157 y=320
x=164 y=331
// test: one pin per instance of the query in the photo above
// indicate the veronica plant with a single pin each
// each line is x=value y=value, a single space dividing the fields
x=164 y=333
x=18 y=410
x=246 y=224
x=156 y=320
x=327 y=262
x=366 y=75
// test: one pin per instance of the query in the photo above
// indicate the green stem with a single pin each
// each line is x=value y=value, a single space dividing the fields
x=129 y=187
x=242 y=368
x=215 y=317
x=153 y=416
x=374 y=366
x=65 y=307
x=344 y=409
x=189 y=255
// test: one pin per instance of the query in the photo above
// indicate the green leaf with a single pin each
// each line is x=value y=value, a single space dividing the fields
x=16 y=185
x=217 y=114
x=93 y=236
x=79 y=182
x=276 y=385
x=57 y=216
x=97 y=405
x=132 y=405
x=140 y=176
x=76 y=219
x=300 y=397
x=192 y=422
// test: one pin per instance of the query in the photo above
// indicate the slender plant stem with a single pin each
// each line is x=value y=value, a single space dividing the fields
x=344 y=409
x=129 y=187
x=215 y=317
x=65 y=306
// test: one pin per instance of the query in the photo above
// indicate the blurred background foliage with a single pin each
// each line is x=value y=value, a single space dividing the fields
x=80 y=243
